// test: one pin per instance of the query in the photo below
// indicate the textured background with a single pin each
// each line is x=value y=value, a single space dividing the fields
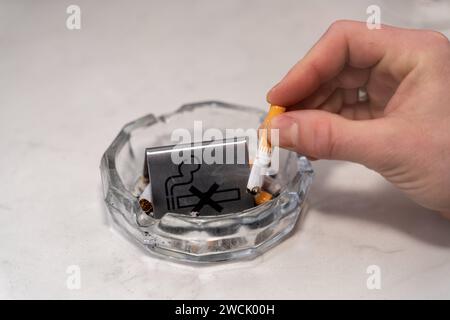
x=65 y=94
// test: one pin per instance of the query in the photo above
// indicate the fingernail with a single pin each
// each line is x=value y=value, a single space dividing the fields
x=287 y=131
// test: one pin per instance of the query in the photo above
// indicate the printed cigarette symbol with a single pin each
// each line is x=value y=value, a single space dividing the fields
x=196 y=199
x=184 y=177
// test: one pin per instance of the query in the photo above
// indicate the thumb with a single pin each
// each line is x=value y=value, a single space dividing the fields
x=324 y=135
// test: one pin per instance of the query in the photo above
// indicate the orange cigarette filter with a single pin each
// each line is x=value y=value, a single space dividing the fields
x=264 y=144
x=262 y=197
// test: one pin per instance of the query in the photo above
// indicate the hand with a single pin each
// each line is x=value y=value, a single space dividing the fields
x=402 y=131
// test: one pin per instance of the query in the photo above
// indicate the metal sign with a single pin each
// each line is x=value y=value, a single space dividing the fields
x=207 y=178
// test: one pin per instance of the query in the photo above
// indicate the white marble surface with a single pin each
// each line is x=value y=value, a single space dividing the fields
x=65 y=94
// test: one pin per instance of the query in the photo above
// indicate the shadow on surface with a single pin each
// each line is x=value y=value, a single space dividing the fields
x=381 y=204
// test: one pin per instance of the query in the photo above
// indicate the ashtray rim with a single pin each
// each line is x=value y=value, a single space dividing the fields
x=112 y=182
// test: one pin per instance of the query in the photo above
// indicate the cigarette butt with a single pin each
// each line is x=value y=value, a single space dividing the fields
x=145 y=200
x=140 y=186
x=146 y=205
x=262 y=197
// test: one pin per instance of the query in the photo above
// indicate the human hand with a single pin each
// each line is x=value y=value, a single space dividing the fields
x=402 y=131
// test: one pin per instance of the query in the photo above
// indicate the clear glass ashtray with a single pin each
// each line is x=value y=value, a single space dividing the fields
x=200 y=239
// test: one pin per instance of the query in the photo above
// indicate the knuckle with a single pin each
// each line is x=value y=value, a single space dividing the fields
x=337 y=25
x=438 y=37
x=436 y=41
x=342 y=24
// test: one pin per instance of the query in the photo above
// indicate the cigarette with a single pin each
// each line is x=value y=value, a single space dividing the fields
x=140 y=185
x=262 y=197
x=145 y=200
x=264 y=153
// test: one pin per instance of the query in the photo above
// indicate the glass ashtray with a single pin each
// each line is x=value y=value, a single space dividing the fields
x=184 y=238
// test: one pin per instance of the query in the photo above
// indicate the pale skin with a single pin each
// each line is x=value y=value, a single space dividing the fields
x=402 y=131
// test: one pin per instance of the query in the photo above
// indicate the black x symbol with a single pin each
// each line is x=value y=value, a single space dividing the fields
x=205 y=198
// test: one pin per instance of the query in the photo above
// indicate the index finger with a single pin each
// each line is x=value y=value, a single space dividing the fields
x=344 y=43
